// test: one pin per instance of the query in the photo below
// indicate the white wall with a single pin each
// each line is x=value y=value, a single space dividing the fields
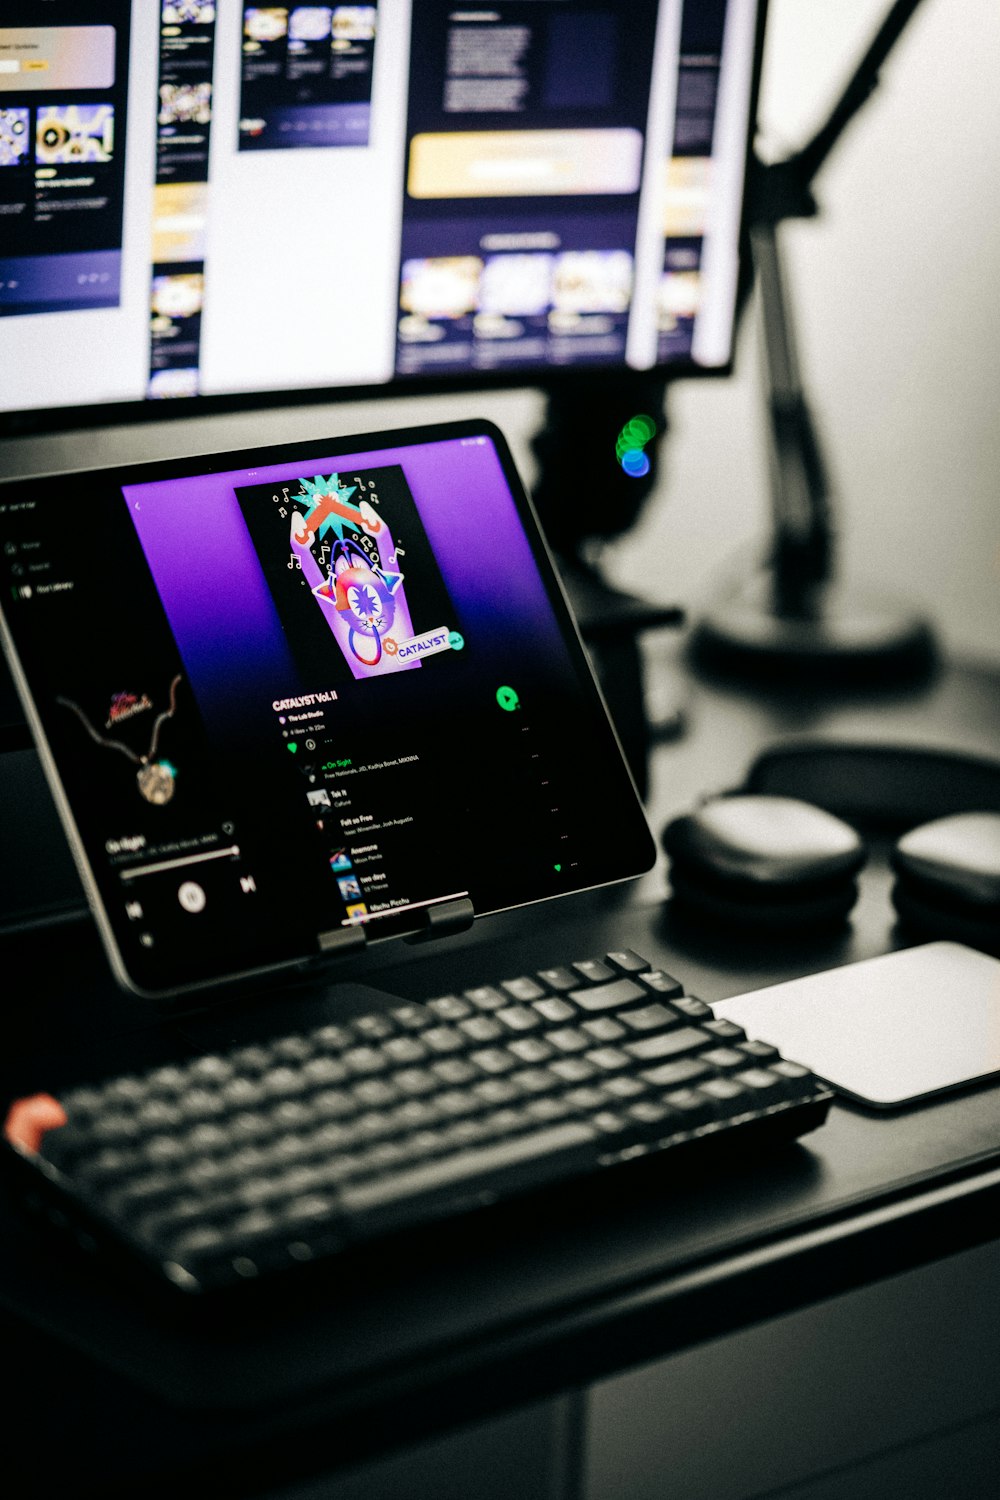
x=896 y=293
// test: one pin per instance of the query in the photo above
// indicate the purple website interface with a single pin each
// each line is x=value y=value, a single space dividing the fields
x=295 y=697
x=207 y=199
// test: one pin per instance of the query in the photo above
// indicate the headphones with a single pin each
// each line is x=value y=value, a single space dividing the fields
x=760 y=862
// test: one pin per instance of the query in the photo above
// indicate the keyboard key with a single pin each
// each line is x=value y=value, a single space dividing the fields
x=586 y=1100
x=608 y=1059
x=415 y=1081
x=493 y=1060
x=401 y=1049
x=284 y=1049
x=203 y=1104
x=481 y=1029
x=376 y=1093
x=518 y=1018
x=486 y=997
x=536 y=1157
x=627 y=962
x=625 y=1086
x=727 y=1030
x=693 y=1106
x=604 y=1029
x=760 y=1051
x=568 y=1039
x=533 y=1080
x=456 y=1102
x=357 y=1059
x=730 y=1097
x=695 y=1010
x=493 y=1091
x=668 y=1044
x=329 y=1104
x=559 y=979
x=551 y=1107
x=793 y=1073
x=331 y=1038
x=572 y=1069
x=649 y=1113
x=158 y=1114
x=523 y=989
x=373 y=1028
x=413 y=1017
x=650 y=1018
x=593 y=971
x=555 y=1010
x=662 y=984
x=684 y=1070
x=725 y=1059
x=609 y=996
x=443 y=1039
x=318 y=1071
x=450 y=1008
x=532 y=1049
x=124 y=1091
x=453 y=1070
x=216 y=1070
x=762 y=1081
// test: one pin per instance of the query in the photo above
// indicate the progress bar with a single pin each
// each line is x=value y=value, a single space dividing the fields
x=179 y=864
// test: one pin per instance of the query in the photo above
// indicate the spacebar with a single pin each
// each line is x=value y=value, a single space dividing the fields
x=468 y=1177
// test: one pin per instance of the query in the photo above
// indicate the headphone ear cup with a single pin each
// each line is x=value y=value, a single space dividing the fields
x=948 y=879
x=747 y=912
x=771 y=866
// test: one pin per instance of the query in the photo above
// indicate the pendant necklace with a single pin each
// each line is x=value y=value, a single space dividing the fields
x=154 y=778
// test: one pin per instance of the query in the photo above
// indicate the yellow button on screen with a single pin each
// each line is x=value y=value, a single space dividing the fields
x=524 y=163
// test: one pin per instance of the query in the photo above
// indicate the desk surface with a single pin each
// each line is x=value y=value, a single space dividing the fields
x=503 y=1311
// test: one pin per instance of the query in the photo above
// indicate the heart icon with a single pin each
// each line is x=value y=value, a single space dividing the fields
x=292 y=746
x=557 y=868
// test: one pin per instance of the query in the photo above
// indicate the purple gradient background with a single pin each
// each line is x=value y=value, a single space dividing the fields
x=217 y=601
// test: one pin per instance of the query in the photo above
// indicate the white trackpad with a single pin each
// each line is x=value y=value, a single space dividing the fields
x=887 y=1030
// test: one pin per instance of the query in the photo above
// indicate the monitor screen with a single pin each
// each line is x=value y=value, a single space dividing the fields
x=201 y=198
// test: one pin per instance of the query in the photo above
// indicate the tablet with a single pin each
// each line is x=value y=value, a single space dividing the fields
x=296 y=699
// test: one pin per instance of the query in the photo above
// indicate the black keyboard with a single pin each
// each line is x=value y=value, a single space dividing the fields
x=238 y=1165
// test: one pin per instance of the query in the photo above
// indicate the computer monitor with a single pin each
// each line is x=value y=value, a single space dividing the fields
x=210 y=201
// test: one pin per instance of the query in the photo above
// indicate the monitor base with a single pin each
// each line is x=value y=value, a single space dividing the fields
x=845 y=638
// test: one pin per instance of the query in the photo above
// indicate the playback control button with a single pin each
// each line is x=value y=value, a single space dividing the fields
x=191 y=896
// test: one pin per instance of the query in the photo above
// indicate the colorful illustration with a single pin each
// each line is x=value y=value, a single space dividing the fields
x=309 y=23
x=68 y=133
x=347 y=556
x=265 y=24
x=14 y=136
x=188 y=12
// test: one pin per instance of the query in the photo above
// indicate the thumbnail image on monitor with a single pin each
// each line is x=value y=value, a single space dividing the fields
x=201 y=198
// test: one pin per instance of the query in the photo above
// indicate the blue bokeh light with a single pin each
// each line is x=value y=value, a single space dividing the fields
x=635 y=463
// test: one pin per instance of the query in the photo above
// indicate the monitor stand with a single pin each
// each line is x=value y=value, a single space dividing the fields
x=795 y=623
x=585 y=497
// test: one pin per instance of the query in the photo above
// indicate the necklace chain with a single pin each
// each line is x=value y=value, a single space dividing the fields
x=126 y=750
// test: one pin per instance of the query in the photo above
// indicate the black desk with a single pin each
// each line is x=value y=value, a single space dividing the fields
x=837 y=1274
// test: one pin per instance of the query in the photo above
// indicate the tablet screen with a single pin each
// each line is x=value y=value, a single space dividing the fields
x=289 y=692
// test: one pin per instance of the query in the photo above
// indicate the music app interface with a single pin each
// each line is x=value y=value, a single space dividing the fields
x=289 y=699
